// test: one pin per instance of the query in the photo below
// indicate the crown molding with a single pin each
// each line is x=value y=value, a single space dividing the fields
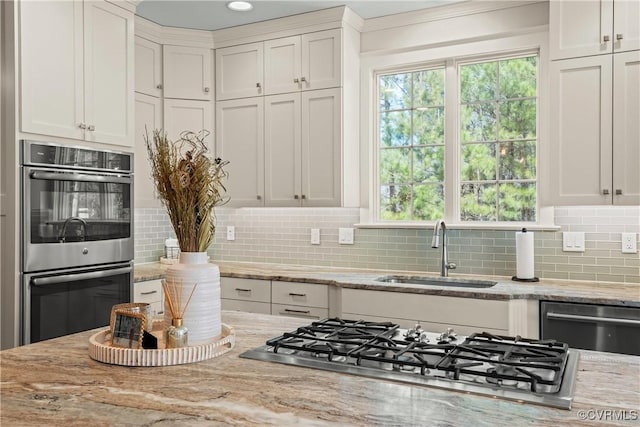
x=172 y=35
x=447 y=11
x=325 y=19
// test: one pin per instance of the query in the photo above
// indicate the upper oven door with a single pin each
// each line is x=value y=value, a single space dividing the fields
x=75 y=218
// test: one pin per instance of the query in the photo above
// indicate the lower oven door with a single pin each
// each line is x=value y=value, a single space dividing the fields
x=73 y=300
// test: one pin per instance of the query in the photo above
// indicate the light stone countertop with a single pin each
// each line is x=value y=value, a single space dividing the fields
x=546 y=289
x=55 y=382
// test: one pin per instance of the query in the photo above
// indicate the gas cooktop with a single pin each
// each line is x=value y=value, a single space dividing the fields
x=513 y=368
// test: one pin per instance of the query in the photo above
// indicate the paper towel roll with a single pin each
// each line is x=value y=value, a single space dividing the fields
x=524 y=254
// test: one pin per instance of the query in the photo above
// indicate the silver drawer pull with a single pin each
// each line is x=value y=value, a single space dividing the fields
x=297 y=295
x=605 y=38
x=288 y=310
x=243 y=290
x=610 y=320
x=148 y=293
x=619 y=36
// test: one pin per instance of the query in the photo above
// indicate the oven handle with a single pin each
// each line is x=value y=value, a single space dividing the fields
x=52 y=280
x=52 y=176
x=609 y=320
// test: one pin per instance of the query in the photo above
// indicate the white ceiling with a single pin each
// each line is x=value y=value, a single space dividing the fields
x=214 y=15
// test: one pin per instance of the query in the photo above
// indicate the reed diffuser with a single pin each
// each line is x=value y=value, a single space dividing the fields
x=176 y=335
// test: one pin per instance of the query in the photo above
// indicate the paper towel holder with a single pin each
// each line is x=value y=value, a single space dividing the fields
x=531 y=279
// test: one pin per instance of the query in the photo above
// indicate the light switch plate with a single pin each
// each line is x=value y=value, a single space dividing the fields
x=231 y=232
x=629 y=243
x=315 y=236
x=573 y=241
x=345 y=236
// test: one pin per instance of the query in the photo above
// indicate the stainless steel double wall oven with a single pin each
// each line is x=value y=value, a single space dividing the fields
x=77 y=237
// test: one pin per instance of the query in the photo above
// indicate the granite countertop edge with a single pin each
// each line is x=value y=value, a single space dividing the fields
x=546 y=289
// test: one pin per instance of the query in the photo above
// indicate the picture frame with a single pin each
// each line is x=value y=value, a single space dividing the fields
x=128 y=329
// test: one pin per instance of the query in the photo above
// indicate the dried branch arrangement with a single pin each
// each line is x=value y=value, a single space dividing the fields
x=174 y=298
x=189 y=184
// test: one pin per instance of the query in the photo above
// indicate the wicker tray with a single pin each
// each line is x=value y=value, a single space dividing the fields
x=101 y=350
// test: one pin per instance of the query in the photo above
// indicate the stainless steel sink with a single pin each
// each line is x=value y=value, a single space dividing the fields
x=437 y=281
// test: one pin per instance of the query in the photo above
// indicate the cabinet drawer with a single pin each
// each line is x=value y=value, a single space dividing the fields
x=301 y=294
x=248 y=306
x=246 y=289
x=299 y=311
x=149 y=291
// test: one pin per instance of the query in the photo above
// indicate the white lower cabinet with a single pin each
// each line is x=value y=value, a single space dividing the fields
x=250 y=295
x=300 y=299
x=435 y=313
x=151 y=292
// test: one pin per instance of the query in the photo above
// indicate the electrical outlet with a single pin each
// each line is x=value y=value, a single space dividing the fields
x=315 y=236
x=573 y=241
x=629 y=243
x=345 y=236
x=231 y=232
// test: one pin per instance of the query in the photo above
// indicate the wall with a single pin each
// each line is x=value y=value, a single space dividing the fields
x=282 y=236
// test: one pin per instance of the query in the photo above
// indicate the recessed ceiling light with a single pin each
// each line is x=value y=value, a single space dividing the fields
x=240 y=6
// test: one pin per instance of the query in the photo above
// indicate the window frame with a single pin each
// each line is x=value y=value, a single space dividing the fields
x=452 y=59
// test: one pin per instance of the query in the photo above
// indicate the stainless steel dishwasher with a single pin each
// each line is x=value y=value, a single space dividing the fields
x=591 y=326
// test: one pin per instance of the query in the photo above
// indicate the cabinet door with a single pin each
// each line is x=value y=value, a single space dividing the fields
x=109 y=74
x=148 y=117
x=282 y=65
x=240 y=140
x=580 y=28
x=626 y=19
x=148 y=67
x=581 y=134
x=239 y=71
x=51 y=91
x=187 y=72
x=182 y=115
x=321 y=147
x=626 y=128
x=321 y=60
x=282 y=130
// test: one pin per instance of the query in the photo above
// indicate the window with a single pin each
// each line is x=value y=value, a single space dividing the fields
x=494 y=143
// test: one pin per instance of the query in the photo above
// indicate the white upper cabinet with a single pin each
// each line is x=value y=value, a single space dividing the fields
x=77 y=71
x=187 y=72
x=239 y=71
x=148 y=118
x=307 y=62
x=584 y=28
x=626 y=128
x=240 y=140
x=148 y=67
x=182 y=115
x=595 y=130
x=303 y=146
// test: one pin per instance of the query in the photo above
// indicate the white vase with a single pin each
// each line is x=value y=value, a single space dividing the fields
x=202 y=316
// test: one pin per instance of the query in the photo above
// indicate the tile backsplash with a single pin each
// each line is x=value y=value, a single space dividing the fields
x=282 y=235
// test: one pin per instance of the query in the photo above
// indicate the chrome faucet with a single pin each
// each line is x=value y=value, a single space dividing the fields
x=63 y=234
x=445 y=265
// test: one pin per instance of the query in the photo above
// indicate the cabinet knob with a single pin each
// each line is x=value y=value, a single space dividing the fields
x=295 y=196
x=618 y=192
x=605 y=38
x=303 y=79
x=206 y=89
x=296 y=80
x=258 y=85
x=82 y=126
x=158 y=86
x=605 y=191
x=304 y=197
x=258 y=197
x=91 y=128
x=618 y=36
